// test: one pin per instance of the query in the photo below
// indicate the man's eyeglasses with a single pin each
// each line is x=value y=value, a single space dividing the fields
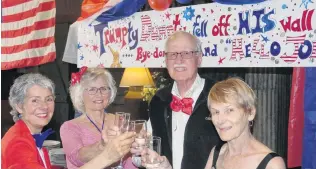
x=184 y=54
x=94 y=90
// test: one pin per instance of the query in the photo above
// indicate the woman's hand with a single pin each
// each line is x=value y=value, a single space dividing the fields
x=148 y=155
x=119 y=146
x=138 y=148
x=109 y=133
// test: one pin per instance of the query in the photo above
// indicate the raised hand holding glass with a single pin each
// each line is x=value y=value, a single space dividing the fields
x=152 y=156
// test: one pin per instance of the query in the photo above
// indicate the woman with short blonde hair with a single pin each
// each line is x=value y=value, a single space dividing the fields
x=232 y=110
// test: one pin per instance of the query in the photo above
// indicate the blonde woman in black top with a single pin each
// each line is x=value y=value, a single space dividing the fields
x=232 y=110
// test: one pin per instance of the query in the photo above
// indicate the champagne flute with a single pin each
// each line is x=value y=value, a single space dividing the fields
x=127 y=124
x=140 y=139
x=130 y=127
x=153 y=153
x=122 y=120
x=141 y=132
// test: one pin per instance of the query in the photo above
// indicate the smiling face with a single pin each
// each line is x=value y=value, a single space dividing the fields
x=38 y=107
x=229 y=120
x=182 y=69
x=232 y=106
x=96 y=95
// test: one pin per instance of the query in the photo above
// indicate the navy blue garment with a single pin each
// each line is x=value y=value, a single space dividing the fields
x=121 y=10
x=40 y=138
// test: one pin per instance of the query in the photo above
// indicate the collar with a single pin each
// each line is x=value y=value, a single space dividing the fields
x=198 y=80
x=38 y=138
x=165 y=95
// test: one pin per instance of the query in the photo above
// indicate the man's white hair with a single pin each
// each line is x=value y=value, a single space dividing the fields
x=195 y=40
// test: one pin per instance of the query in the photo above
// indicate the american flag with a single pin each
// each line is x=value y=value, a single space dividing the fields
x=27 y=31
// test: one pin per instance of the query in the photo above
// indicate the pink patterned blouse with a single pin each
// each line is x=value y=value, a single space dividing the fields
x=74 y=137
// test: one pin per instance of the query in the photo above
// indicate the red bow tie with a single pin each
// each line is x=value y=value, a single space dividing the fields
x=184 y=105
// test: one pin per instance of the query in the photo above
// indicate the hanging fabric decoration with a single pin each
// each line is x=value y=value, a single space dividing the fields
x=184 y=1
x=121 y=10
x=90 y=7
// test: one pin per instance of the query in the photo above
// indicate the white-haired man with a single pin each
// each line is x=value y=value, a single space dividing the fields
x=177 y=113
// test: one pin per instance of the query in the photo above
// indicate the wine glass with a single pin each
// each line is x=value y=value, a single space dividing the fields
x=130 y=127
x=153 y=152
x=141 y=132
x=122 y=120
x=126 y=124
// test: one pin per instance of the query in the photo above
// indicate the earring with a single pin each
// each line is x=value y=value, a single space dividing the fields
x=251 y=123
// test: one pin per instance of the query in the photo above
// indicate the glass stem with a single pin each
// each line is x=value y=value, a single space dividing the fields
x=121 y=162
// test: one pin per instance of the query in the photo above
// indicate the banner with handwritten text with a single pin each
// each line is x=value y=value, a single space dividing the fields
x=269 y=34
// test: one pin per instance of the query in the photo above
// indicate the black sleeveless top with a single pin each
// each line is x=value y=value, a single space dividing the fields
x=262 y=165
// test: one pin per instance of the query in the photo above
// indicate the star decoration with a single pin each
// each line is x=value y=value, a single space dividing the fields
x=284 y=6
x=95 y=48
x=79 y=46
x=220 y=61
x=177 y=20
x=188 y=13
x=167 y=15
x=86 y=45
x=81 y=57
x=265 y=39
x=305 y=3
x=203 y=9
x=311 y=35
x=212 y=11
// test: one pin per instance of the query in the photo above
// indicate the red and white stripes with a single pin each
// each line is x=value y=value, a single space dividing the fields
x=27 y=31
